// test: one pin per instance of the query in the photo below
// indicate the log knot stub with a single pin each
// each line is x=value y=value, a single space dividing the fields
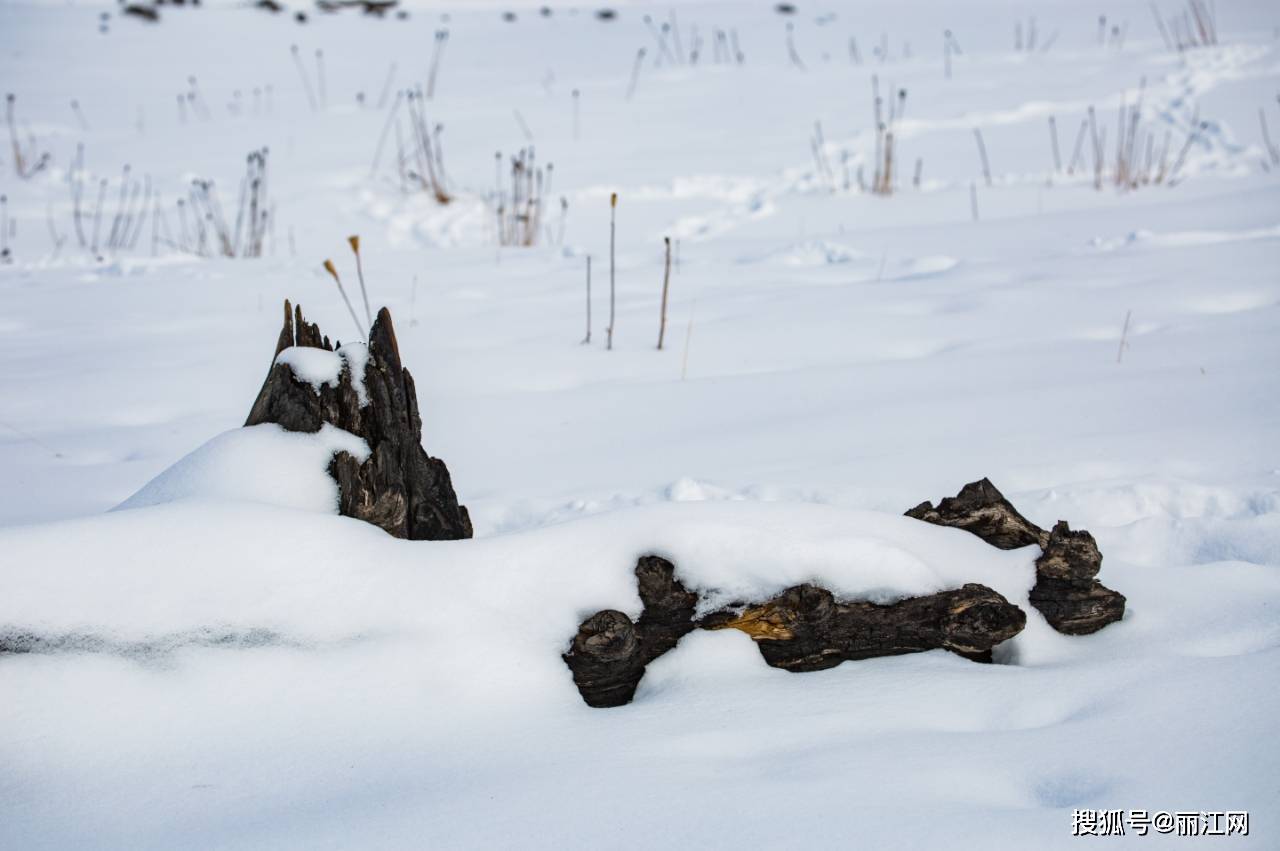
x=609 y=654
x=1067 y=591
x=399 y=487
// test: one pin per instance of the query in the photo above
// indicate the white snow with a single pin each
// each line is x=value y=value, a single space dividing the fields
x=319 y=367
x=262 y=463
x=236 y=666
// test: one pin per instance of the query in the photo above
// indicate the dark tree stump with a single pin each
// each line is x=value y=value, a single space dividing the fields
x=399 y=487
x=609 y=654
x=1067 y=591
x=806 y=629
x=803 y=629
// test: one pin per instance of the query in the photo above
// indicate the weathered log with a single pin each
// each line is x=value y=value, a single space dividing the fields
x=609 y=654
x=981 y=509
x=398 y=487
x=806 y=629
x=1067 y=591
x=803 y=629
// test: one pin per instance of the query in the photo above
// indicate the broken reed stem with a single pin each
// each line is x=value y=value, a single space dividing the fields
x=386 y=86
x=818 y=144
x=1266 y=137
x=666 y=283
x=430 y=173
x=1164 y=32
x=23 y=164
x=1162 y=168
x=661 y=39
x=635 y=73
x=564 y=217
x=386 y=130
x=77 y=194
x=688 y=336
x=329 y=267
x=302 y=72
x=4 y=230
x=354 y=242
x=1124 y=336
x=982 y=152
x=1099 y=165
x=442 y=38
x=587 y=339
x=58 y=239
x=199 y=105
x=97 y=215
x=791 y=47
x=675 y=37
x=1053 y=138
x=320 y=77
x=613 y=207
x=80 y=119
x=118 y=218
x=1079 y=146
x=1186 y=148
x=886 y=187
x=1097 y=145
x=524 y=126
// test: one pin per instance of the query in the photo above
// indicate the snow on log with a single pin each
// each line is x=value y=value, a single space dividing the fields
x=1067 y=591
x=805 y=628
x=399 y=487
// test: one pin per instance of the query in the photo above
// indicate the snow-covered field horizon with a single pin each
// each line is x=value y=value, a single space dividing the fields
x=219 y=660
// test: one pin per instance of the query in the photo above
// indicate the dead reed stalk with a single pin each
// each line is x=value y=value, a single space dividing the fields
x=613 y=229
x=666 y=283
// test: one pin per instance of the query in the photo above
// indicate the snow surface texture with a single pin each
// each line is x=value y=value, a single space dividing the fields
x=228 y=664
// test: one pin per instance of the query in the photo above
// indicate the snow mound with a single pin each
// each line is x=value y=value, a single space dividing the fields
x=243 y=566
x=808 y=253
x=260 y=464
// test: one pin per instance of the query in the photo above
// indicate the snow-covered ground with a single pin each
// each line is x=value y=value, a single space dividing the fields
x=226 y=663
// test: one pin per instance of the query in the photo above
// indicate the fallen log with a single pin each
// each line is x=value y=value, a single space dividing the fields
x=805 y=628
x=609 y=653
x=1067 y=591
x=399 y=487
